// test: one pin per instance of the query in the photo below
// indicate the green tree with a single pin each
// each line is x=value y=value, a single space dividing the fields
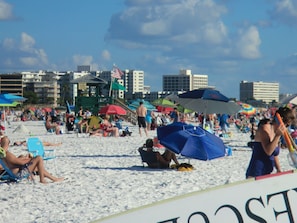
x=31 y=97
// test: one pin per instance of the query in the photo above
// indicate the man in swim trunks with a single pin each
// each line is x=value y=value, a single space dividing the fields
x=141 y=112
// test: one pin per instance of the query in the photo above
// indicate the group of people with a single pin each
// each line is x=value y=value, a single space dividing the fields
x=266 y=145
x=104 y=127
x=148 y=121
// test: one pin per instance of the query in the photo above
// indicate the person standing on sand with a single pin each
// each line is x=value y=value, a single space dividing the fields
x=141 y=113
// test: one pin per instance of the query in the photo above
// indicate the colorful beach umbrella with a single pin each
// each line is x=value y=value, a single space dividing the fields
x=247 y=109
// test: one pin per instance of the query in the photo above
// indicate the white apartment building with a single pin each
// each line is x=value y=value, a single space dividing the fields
x=184 y=81
x=44 y=84
x=265 y=91
x=134 y=81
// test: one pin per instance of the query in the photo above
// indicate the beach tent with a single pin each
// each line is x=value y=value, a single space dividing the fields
x=21 y=129
x=292 y=99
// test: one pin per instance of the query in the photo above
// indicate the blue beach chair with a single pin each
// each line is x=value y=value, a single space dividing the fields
x=35 y=147
x=9 y=176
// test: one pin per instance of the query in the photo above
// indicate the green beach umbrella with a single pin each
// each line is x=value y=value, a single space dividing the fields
x=184 y=110
x=163 y=102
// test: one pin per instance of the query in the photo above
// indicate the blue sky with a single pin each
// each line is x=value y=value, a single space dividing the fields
x=229 y=40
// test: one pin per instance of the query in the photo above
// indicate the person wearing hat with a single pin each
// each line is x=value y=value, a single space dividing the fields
x=162 y=160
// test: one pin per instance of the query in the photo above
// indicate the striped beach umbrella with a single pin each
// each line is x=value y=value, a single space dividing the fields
x=247 y=109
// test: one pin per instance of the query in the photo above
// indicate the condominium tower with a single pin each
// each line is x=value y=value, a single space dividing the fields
x=184 y=81
x=265 y=91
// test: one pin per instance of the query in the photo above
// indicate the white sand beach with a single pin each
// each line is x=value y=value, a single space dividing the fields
x=104 y=176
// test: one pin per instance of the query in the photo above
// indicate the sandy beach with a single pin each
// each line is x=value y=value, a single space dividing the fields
x=104 y=176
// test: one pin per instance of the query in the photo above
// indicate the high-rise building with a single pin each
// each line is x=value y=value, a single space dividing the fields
x=86 y=68
x=11 y=83
x=134 y=81
x=184 y=81
x=266 y=91
x=45 y=85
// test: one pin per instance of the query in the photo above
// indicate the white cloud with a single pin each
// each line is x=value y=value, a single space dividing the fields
x=29 y=61
x=27 y=43
x=106 y=55
x=8 y=43
x=22 y=54
x=191 y=29
x=5 y=10
x=84 y=60
x=249 y=43
x=285 y=11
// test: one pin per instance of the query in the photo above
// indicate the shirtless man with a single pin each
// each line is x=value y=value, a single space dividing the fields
x=141 y=112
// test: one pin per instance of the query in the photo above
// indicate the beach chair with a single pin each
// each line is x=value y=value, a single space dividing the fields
x=9 y=176
x=35 y=147
x=147 y=157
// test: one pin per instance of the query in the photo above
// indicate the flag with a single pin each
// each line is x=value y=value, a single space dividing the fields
x=116 y=73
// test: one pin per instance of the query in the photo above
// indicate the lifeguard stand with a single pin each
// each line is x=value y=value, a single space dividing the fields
x=89 y=93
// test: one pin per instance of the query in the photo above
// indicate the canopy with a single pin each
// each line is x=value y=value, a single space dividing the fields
x=208 y=101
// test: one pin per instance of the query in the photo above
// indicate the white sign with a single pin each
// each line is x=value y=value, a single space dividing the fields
x=272 y=199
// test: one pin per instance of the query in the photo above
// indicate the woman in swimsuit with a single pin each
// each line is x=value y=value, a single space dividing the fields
x=266 y=145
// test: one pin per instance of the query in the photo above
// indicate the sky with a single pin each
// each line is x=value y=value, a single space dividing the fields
x=228 y=40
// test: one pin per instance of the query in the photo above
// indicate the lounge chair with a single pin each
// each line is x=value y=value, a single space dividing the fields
x=147 y=157
x=8 y=176
x=35 y=146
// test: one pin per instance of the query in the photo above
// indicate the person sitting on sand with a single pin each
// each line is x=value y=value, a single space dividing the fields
x=52 y=126
x=33 y=164
x=164 y=160
x=266 y=145
x=108 y=127
x=84 y=118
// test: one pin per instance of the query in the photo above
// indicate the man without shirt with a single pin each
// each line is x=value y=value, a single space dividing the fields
x=141 y=112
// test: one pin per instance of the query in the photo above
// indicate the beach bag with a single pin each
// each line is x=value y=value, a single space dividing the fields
x=183 y=167
x=126 y=132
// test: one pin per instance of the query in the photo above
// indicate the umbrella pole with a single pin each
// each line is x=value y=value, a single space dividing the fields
x=110 y=88
x=4 y=119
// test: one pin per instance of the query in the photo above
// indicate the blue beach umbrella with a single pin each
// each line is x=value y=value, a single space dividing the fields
x=12 y=97
x=191 y=141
